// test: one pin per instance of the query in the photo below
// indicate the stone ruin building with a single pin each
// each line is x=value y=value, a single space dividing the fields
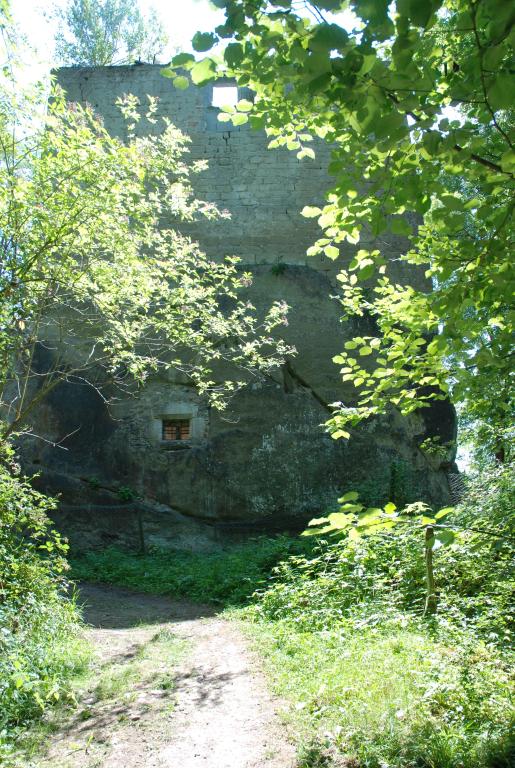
x=166 y=467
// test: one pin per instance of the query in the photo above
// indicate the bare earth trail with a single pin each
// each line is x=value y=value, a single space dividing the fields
x=216 y=712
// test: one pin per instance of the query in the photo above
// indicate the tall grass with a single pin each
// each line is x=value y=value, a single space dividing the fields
x=40 y=646
x=375 y=684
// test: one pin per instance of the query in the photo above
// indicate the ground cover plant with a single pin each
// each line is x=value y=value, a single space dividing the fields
x=123 y=681
x=39 y=643
x=224 y=578
x=373 y=681
x=339 y=622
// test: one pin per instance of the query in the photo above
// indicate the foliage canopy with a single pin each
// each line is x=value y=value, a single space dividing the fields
x=416 y=101
x=98 y=33
x=96 y=284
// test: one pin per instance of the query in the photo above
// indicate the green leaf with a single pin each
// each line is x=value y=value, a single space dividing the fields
x=318 y=521
x=233 y=54
x=239 y=119
x=445 y=536
x=244 y=105
x=367 y=272
x=432 y=141
x=331 y=252
x=183 y=59
x=310 y=211
x=349 y=496
x=306 y=152
x=181 y=82
x=257 y=122
x=508 y=161
x=501 y=94
x=327 y=37
x=339 y=520
x=203 y=41
x=444 y=512
x=370 y=514
x=418 y=12
x=339 y=433
x=203 y=71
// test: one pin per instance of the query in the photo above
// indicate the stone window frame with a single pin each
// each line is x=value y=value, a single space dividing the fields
x=177 y=411
x=220 y=85
x=181 y=426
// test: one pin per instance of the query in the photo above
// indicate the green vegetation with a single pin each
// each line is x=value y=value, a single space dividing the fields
x=415 y=99
x=372 y=682
x=153 y=664
x=99 y=33
x=119 y=296
x=375 y=683
x=90 y=293
x=417 y=102
x=39 y=645
x=115 y=687
x=225 y=578
x=390 y=696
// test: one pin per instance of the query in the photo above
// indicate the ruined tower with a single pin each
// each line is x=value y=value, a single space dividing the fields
x=164 y=464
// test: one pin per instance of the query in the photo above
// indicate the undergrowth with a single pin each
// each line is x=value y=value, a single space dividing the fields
x=372 y=682
x=40 y=647
x=375 y=684
x=227 y=577
x=114 y=688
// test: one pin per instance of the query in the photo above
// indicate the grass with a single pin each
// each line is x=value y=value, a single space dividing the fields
x=152 y=664
x=228 y=577
x=339 y=625
x=110 y=690
x=389 y=698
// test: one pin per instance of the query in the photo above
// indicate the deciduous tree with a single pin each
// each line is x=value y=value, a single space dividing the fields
x=97 y=285
x=101 y=32
x=416 y=101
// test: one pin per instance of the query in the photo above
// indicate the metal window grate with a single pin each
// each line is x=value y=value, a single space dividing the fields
x=176 y=429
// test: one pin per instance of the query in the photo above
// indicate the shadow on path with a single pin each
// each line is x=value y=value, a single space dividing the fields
x=119 y=608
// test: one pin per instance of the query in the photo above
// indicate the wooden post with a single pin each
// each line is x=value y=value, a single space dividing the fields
x=431 y=599
x=141 y=533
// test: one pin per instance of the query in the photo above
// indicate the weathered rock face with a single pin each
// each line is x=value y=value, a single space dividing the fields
x=266 y=463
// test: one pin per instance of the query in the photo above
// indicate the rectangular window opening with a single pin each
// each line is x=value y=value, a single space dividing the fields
x=176 y=429
x=224 y=96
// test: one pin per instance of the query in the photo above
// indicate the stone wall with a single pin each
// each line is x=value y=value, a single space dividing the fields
x=266 y=463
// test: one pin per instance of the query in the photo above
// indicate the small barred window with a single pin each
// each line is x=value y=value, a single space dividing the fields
x=176 y=429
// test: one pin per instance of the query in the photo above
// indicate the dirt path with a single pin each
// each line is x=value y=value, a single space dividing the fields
x=176 y=688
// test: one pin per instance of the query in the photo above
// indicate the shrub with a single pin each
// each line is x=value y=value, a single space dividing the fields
x=374 y=683
x=38 y=623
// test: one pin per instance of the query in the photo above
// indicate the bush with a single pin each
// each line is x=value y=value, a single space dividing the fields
x=345 y=580
x=39 y=648
x=374 y=683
